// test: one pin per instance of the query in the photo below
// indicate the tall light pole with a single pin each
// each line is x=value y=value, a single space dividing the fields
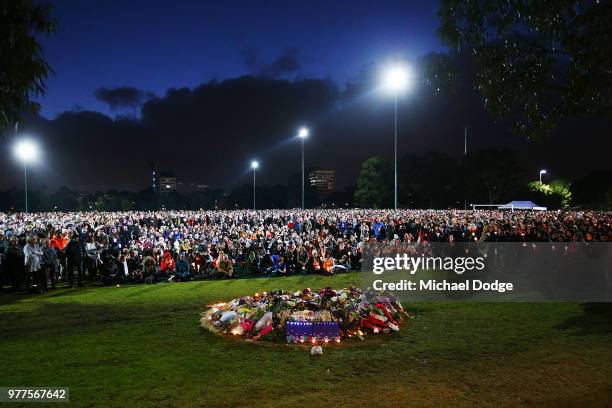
x=542 y=172
x=396 y=79
x=303 y=134
x=26 y=151
x=465 y=137
x=254 y=166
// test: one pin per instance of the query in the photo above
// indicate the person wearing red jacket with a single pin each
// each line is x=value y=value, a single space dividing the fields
x=167 y=264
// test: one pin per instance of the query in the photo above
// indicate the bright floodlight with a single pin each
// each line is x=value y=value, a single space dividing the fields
x=396 y=78
x=542 y=171
x=26 y=150
x=254 y=164
x=303 y=132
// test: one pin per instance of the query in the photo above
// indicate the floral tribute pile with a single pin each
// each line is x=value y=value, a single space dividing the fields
x=306 y=316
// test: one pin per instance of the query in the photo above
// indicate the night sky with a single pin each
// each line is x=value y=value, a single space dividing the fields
x=201 y=88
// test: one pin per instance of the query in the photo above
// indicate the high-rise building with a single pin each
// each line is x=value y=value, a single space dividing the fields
x=323 y=181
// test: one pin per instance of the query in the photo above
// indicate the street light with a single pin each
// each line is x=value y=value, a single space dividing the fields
x=396 y=79
x=542 y=172
x=26 y=151
x=303 y=134
x=254 y=166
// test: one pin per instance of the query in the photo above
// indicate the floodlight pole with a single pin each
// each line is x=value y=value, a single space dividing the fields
x=254 y=207
x=395 y=154
x=465 y=137
x=303 y=175
x=25 y=179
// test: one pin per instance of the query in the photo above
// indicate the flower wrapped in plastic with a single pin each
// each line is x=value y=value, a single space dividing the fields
x=306 y=316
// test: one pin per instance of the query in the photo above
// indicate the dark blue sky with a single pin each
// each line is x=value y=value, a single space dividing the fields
x=157 y=45
x=234 y=81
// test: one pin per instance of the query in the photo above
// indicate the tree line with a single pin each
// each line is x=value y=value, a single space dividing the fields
x=432 y=180
x=437 y=180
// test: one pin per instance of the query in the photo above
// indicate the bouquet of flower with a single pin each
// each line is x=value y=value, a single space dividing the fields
x=326 y=315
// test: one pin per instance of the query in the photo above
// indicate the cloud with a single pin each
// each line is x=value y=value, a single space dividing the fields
x=285 y=64
x=122 y=97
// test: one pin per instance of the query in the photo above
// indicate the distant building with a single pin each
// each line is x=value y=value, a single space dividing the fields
x=167 y=183
x=323 y=181
x=154 y=179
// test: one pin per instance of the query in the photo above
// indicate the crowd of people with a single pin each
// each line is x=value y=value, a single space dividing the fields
x=39 y=250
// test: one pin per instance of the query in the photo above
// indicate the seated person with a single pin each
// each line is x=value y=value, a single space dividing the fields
x=149 y=269
x=225 y=269
x=182 y=267
x=328 y=263
x=314 y=262
x=267 y=263
x=281 y=267
x=166 y=268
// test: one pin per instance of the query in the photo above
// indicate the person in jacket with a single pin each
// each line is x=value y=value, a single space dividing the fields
x=225 y=269
x=166 y=268
x=183 y=270
x=14 y=263
x=75 y=254
x=302 y=259
x=149 y=269
x=50 y=263
x=32 y=253
x=4 y=246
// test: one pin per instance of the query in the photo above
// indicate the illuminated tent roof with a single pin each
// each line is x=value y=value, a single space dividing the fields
x=521 y=205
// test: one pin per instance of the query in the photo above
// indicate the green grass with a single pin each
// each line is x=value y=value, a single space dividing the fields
x=142 y=346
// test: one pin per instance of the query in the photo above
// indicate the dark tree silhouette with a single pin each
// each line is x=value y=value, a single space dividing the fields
x=375 y=184
x=537 y=61
x=23 y=70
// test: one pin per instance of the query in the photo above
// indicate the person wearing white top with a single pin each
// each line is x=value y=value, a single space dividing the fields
x=33 y=261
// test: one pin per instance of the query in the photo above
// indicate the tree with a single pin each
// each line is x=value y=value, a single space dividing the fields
x=537 y=61
x=594 y=190
x=557 y=194
x=23 y=69
x=374 y=185
x=491 y=176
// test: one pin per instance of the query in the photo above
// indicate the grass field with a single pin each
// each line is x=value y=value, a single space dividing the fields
x=142 y=346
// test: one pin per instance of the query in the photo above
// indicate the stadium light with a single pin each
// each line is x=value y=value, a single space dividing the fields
x=542 y=172
x=254 y=166
x=27 y=152
x=303 y=134
x=396 y=79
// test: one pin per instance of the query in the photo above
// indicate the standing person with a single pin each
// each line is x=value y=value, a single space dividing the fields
x=75 y=254
x=14 y=263
x=50 y=263
x=92 y=260
x=59 y=240
x=4 y=246
x=33 y=262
